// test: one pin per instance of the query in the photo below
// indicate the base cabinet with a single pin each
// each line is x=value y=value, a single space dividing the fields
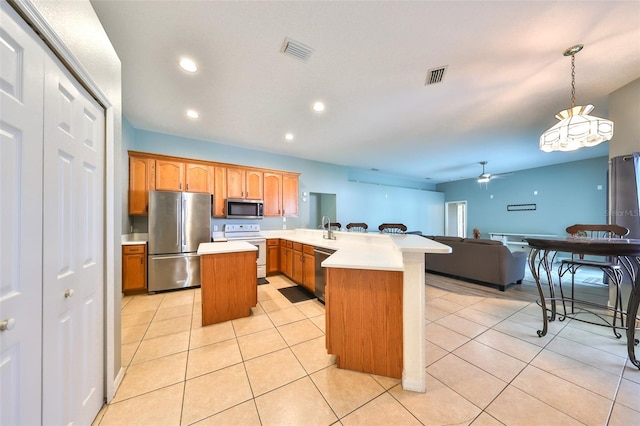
x=229 y=287
x=273 y=256
x=364 y=320
x=134 y=268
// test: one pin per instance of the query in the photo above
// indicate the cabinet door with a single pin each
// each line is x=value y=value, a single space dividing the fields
x=197 y=177
x=254 y=185
x=235 y=182
x=169 y=175
x=289 y=195
x=219 y=191
x=296 y=272
x=141 y=181
x=272 y=194
x=273 y=256
x=309 y=271
x=134 y=268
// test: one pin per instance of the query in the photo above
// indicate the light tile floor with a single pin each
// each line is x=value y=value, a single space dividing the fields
x=485 y=366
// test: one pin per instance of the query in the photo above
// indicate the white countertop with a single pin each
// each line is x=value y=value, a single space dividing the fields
x=132 y=239
x=226 y=247
x=363 y=250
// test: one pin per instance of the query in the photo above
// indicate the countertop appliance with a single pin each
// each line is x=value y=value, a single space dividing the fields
x=321 y=280
x=239 y=208
x=178 y=223
x=251 y=234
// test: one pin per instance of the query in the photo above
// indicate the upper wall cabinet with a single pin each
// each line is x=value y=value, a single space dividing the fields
x=219 y=191
x=289 y=194
x=148 y=172
x=142 y=179
x=169 y=175
x=244 y=183
x=280 y=194
x=198 y=177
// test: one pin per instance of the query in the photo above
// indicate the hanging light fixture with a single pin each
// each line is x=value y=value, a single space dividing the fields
x=576 y=128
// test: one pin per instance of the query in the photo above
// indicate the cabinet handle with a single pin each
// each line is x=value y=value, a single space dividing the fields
x=187 y=187
x=68 y=293
x=142 y=261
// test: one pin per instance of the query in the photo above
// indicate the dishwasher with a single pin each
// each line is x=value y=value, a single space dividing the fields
x=321 y=279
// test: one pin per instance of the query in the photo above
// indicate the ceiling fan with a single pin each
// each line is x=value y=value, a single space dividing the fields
x=486 y=177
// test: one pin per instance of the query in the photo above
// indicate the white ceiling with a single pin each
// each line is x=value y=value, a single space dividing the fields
x=505 y=81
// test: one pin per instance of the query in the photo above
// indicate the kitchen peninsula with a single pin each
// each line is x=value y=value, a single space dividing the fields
x=228 y=280
x=375 y=300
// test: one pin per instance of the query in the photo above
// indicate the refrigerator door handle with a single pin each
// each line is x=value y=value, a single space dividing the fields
x=178 y=223
x=182 y=222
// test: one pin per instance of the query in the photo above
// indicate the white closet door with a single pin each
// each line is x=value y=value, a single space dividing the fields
x=21 y=93
x=73 y=261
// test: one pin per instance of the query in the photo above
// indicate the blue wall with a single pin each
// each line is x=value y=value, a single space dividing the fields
x=374 y=204
x=566 y=194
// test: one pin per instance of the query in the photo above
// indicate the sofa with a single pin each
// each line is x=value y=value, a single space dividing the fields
x=478 y=260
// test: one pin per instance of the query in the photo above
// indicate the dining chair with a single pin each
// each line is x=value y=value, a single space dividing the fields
x=611 y=266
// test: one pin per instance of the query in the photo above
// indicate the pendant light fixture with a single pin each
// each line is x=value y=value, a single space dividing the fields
x=576 y=128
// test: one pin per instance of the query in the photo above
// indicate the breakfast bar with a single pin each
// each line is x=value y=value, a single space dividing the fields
x=375 y=301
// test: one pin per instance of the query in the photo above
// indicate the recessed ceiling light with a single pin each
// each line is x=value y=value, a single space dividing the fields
x=193 y=114
x=289 y=136
x=188 y=65
x=318 y=106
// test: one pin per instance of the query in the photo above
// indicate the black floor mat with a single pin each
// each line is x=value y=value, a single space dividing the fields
x=296 y=294
x=262 y=281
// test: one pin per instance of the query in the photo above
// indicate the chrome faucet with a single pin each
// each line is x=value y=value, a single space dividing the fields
x=328 y=234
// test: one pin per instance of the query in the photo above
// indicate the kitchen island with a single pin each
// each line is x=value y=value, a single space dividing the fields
x=228 y=279
x=375 y=303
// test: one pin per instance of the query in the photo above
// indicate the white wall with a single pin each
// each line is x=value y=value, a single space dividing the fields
x=624 y=111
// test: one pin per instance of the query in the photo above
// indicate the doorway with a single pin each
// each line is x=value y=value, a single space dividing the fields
x=321 y=204
x=455 y=219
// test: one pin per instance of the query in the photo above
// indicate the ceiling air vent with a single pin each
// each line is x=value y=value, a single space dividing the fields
x=296 y=49
x=435 y=75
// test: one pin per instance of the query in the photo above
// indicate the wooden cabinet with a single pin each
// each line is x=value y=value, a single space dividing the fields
x=296 y=267
x=229 y=287
x=142 y=179
x=244 y=183
x=169 y=175
x=219 y=191
x=272 y=194
x=280 y=194
x=286 y=257
x=148 y=172
x=289 y=194
x=364 y=320
x=273 y=256
x=308 y=268
x=134 y=268
x=198 y=177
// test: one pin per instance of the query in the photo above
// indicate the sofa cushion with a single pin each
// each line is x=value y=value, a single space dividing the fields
x=482 y=241
x=451 y=239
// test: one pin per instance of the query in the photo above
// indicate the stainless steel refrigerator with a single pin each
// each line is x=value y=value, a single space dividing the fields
x=624 y=203
x=178 y=223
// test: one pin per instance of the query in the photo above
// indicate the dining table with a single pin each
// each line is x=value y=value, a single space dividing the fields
x=542 y=255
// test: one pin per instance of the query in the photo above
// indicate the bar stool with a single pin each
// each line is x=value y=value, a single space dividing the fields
x=610 y=266
x=392 y=228
x=357 y=227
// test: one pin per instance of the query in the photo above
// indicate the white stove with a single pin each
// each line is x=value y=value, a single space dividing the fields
x=250 y=233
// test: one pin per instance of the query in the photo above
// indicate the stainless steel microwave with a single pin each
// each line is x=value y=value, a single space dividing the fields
x=238 y=208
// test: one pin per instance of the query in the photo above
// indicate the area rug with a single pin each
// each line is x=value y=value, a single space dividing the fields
x=262 y=281
x=296 y=294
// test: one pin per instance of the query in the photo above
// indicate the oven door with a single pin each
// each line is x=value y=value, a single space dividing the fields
x=261 y=243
